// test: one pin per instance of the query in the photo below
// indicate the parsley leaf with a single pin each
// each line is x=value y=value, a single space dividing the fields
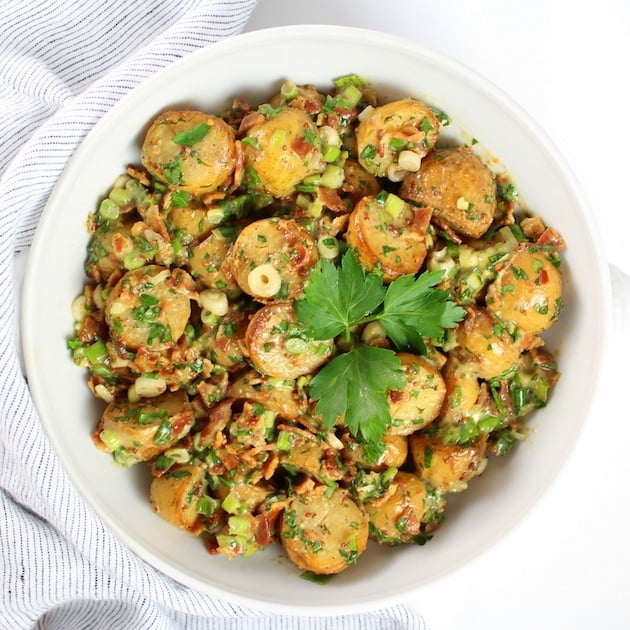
x=353 y=387
x=413 y=309
x=192 y=136
x=337 y=298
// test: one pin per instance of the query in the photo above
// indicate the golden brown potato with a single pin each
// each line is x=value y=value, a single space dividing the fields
x=283 y=150
x=462 y=389
x=278 y=395
x=392 y=243
x=358 y=182
x=324 y=534
x=412 y=509
x=419 y=403
x=194 y=222
x=528 y=290
x=190 y=150
x=145 y=428
x=206 y=263
x=225 y=341
x=458 y=187
x=276 y=348
x=107 y=250
x=447 y=467
x=174 y=496
x=486 y=345
x=272 y=258
x=393 y=138
x=303 y=453
x=394 y=454
x=149 y=307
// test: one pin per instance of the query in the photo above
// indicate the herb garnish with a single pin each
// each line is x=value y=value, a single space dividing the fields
x=354 y=385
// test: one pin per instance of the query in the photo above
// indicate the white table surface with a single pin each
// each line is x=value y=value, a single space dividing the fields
x=567 y=566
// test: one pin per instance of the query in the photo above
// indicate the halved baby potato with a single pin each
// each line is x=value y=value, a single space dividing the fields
x=282 y=150
x=393 y=138
x=324 y=534
x=459 y=188
x=190 y=150
x=277 y=347
x=149 y=308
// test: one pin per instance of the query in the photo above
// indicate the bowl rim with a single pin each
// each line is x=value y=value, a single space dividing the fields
x=251 y=38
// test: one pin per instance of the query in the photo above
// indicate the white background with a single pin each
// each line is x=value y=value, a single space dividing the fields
x=567 y=566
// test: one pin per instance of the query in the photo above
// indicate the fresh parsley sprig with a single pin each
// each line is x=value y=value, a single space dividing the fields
x=354 y=386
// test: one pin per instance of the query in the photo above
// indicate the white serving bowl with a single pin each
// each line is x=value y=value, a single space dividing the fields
x=253 y=66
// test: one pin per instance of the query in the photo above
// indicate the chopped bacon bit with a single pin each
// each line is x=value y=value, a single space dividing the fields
x=138 y=174
x=239 y=167
x=422 y=219
x=155 y=221
x=543 y=276
x=301 y=147
x=250 y=120
x=550 y=237
x=331 y=199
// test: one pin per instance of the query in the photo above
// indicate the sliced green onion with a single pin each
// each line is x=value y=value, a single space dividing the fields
x=289 y=90
x=110 y=439
x=207 y=506
x=97 y=352
x=120 y=196
x=295 y=345
x=394 y=205
x=109 y=210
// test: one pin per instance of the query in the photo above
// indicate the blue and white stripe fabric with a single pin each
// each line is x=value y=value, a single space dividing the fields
x=63 y=64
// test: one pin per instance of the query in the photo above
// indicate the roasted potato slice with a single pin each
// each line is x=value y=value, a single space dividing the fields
x=276 y=347
x=271 y=259
x=419 y=402
x=459 y=188
x=282 y=150
x=138 y=431
x=175 y=495
x=393 y=138
x=392 y=242
x=447 y=467
x=149 y=307
x=486 y=344
x=324 y=534
x=411 y=509
x=190 y=150
x=528 y=289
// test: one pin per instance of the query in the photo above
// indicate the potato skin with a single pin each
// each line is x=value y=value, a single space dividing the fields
x=282 y=398
x=485 y=344
x=148 y=427
x=410 y=510
x=528 y=290
x=281 y=242
x=266 y=341
x=174 y=496
x=206 y=264
x=406 y=119
x=283 y=150
x=457 y=186
x=323 y=534
x=203 y=166
x=419 y=403
x=394 y=245
x=447 y=467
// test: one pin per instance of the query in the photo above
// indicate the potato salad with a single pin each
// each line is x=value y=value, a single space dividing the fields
x=313 y=319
